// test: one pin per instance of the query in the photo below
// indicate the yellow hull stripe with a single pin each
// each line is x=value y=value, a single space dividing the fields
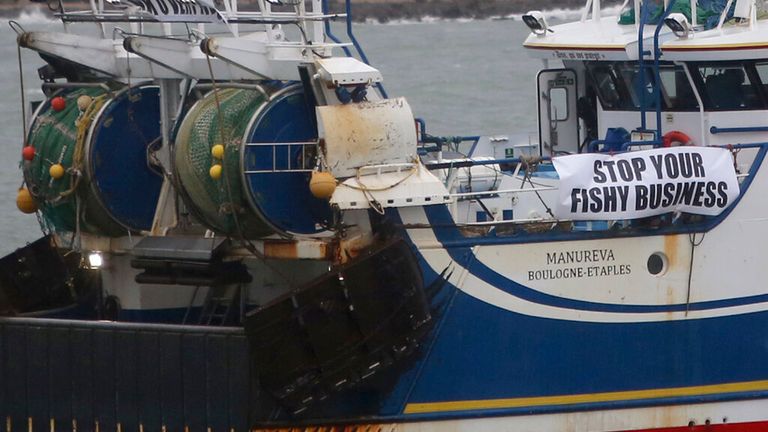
x=432 y=407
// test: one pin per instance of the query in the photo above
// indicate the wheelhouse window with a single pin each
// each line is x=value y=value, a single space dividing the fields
x=622 y=86
x=732 y=87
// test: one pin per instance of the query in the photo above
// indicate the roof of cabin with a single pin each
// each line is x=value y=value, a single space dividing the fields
x=606 y=39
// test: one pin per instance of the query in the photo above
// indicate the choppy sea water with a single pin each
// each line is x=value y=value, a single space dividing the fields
x=463 y=77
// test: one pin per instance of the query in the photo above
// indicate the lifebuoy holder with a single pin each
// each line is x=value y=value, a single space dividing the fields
x=670 y=138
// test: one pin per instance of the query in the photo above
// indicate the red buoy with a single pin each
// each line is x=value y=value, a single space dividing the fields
x=28 y=153
x=58 y=103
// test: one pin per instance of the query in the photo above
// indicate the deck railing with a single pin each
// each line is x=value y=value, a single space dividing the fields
x=521 y=164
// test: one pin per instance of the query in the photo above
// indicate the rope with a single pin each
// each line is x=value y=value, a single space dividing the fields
x=83 y=124
x=224 y=142
x=246 y=243
x=532 y=165
x=367 y=190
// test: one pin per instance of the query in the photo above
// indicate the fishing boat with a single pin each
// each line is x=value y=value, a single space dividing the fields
x=244 y=231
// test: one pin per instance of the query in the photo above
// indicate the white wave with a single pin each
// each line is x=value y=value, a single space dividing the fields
x=551 y=14
x=568 y=14
x=32 y=15
x=427 y=19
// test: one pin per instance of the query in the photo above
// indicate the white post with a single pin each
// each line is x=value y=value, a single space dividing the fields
x=694 y=6
x=235 y=27
x=230 y=8
x=723 y=15
x=637 y=14
x=301 y=11
x=318 y=27
x=596 y=10
x=165 y=214
x=586 y=11
x=266 y=12
x=96 y=9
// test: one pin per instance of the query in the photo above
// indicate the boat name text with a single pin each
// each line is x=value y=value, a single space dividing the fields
x=600 y=264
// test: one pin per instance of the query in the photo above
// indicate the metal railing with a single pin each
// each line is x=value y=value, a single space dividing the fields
x=297 y=156
x=523 y=163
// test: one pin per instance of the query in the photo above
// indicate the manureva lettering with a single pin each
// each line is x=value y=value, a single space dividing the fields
x=579 y=256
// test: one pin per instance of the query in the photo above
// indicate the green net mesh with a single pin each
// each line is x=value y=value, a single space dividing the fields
x=54 y=134
x=219 y=204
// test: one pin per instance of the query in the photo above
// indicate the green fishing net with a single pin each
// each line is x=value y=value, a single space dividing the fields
x=221 y=117
x=54 y=135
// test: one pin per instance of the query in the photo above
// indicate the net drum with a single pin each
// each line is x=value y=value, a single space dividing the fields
x=244 y=158
x=91 y=169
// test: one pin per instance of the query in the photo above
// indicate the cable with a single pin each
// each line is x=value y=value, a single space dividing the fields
x=694 y=245
x=23 y=96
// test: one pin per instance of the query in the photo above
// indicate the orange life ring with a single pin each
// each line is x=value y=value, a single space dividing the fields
x=676 y=137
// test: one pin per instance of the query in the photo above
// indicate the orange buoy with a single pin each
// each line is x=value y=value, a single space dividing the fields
x=322 y=184
x=25 y=202
x=56 y=171
x=28 y=153
x=58 y=103
x=217 y=151
x=215 y=172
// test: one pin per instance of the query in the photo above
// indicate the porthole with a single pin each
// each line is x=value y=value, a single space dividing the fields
x=657 y=264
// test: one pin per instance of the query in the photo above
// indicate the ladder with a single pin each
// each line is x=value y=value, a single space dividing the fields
x=217 y=307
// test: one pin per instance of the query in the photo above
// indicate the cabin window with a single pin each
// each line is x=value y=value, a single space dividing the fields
x=728 y=87
x=762 y=73
x=558 y=98
x=677 y=92
x=622 y=86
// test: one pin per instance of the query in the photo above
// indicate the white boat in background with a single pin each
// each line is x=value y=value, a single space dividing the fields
x=245 y=232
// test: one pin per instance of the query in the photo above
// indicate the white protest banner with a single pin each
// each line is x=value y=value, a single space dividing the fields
x=175 y=10
x=700 y=180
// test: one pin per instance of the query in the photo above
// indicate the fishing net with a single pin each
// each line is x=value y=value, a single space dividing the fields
x=108 y=186
x=59 y=137
x=221 y=117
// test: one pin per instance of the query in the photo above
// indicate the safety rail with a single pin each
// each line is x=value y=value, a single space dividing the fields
x=524 y=163
x=190 y=11
x=351 y=35
x=594 y=146
x=714 y=130
x=502 y=192
x=470 y=163
x=298 y=156
x=441 y=141
x=385 y=168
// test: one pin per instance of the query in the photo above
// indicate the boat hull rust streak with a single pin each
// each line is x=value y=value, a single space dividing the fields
x=278 y=249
